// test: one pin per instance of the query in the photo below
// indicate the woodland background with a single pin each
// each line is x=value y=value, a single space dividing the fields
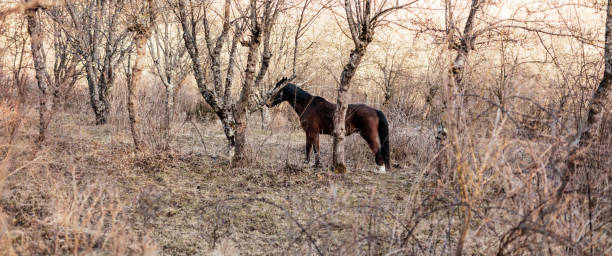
x=118 y=120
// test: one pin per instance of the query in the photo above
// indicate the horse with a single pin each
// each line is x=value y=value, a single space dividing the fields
x=316 y=117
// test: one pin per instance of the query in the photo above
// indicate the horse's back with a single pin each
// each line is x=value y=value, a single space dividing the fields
x=318 y=116
x=359 y=117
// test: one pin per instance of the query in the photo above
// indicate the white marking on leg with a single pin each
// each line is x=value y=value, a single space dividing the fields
x=380 y=169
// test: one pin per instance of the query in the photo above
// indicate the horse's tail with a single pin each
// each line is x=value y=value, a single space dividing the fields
x=383 y=136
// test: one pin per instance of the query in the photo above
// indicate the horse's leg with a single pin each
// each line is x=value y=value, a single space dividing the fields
x=372 y=139
x=309 y=140
x=317 y=151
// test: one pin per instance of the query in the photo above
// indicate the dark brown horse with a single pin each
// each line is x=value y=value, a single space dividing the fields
x=316 y=117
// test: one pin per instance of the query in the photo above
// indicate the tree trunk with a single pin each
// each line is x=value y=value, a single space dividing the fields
x=222 y=112
x=598 y=101
x=241 y=158
x=456 y=86
x=602 y=93
x=265 y=117
x=98 y=93
x=362 y=32
x=36 y=38
x=140 y=38
x=464 y=47
x=388 y=93
x=170 y=96
x=348 y=72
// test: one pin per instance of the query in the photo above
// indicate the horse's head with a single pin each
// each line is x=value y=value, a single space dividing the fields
x=275 y=97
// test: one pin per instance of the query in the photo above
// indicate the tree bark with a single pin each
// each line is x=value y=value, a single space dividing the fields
x=587 y=134
x=36 y=42
x=342 y=105
x=141 y=36
x=140 y=39
x=464 y=47
x=361 y=33
x=99 y=41
x=241 y=158
x=170 y=96
x=98 y=95
x=222 y=112
x=602 y=93
x=455 y=85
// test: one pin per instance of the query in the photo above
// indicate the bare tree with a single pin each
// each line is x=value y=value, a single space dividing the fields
x=260 y=28
x=461 y=41
x=170 y=61
x=285 y=54
x=97 y=36
x=142 y=33
x=232 y=115
x=587 y=133
x=66 y=69
x=463 y=46
x=362 y=23
x=36 y=42
x=463 y=35
x=219 y=97
x=391 y=67
x=602 y=93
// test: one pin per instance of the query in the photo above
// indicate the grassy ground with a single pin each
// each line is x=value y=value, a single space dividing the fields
x=88 y=192
x=187 y=201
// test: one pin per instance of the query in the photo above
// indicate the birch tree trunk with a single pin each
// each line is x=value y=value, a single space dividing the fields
x=361 y=33
x=342 y=105
x=259 y=28
x=602 y=93
x=241 y=157
x=465 y=46
x=362 y=24
x=221 y=108
x=170 y=60
x=36 y=43
x=140 y=39
x=98 y=94
x=142 y=33
x=233 y=117
x=170 y=96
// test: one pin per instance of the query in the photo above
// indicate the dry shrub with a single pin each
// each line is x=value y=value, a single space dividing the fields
x=506 y=186
x=491 y=187
x=226 y=248
x=200 y=111
x=61 y=214
x=51 y=207
x=153 y=110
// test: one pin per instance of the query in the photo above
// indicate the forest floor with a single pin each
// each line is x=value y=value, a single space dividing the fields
x=188 y=201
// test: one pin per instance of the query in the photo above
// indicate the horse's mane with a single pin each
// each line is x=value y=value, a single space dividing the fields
x=291 y=90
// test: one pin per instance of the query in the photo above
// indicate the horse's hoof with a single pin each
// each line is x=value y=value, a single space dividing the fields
x=380 y=169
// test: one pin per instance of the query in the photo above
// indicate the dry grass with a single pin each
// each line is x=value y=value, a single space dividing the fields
x=87 y=192
x=491 y=185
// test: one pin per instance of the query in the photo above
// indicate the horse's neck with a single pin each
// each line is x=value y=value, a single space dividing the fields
x=300 y=104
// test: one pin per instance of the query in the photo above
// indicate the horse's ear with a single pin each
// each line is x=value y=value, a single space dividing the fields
x=280 y=82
